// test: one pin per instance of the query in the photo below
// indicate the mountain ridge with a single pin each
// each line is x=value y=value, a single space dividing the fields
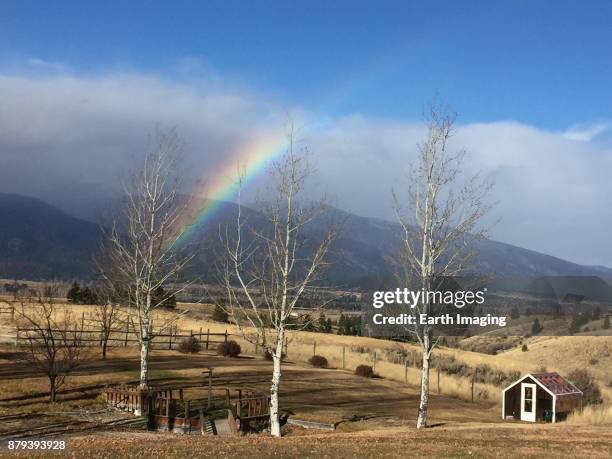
x=38 y=240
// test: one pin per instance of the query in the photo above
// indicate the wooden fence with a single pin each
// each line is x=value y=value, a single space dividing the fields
x=8 y=310
x=169 y=339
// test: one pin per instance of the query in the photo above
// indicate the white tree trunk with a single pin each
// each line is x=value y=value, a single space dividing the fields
x=424 y=403
x=277 y=356
x=144 y=362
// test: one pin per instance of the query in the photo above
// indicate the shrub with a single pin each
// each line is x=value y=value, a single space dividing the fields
x=229 y=349
x=219 y=314
x=584 y=381
x=364 y=370
x=318 y=361
x=524 y=348
x=189 y=345
x=268 y=356
x=396 y=355
x=481 y=393
x=361 y=349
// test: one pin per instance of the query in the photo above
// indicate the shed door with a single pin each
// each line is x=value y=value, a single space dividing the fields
x=528 y=402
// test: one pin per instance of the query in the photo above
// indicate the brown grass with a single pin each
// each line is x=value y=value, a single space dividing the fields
x=593 y=415
x=456 y=441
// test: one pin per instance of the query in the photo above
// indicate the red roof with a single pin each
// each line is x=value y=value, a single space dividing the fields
x=556 y=383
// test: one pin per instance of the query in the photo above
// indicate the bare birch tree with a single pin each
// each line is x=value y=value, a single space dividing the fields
x=140 y=249
x=268 y=269
x=440 y=220
x=50 y=339
x=108 y=316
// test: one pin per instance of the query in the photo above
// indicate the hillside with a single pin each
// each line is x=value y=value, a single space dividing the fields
x=40 y=241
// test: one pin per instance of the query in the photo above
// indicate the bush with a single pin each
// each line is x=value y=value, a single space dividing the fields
x=364 y=370
x=318 y=361
x=361 y=349
x=524 y=348
x=229 y=349
x=219 y=314
x=189 y=345
x=268 y=356
x=584 y=381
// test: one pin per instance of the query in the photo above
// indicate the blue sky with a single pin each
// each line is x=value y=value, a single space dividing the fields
x=543 y=63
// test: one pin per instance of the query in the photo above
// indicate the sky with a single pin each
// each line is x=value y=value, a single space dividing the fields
x=84 y=84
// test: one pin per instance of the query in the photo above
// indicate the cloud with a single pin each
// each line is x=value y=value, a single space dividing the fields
x=63 y=130
x=586 y=133
x=40 y=64
x=552 y=193
x=64 y=136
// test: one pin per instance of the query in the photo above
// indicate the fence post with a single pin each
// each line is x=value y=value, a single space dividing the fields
x=207 y=337
x=472 y=388
x=16 y=336
x=226 y=335
x=438 y=380
x=343 y=357
x=210 y=372
x=406 y=370
x=314 y=348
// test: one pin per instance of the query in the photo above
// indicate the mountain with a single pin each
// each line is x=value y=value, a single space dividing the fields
x=40 y=241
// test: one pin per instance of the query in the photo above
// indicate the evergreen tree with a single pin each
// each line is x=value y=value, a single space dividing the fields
x=324 y=324
x=606 y=323
x=514 y=313
x=219 y=314
x=88 y=296
x=536 y=327
x=74 y=294
x=163 y=299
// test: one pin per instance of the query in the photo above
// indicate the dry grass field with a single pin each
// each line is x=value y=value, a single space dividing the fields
x=374 y=417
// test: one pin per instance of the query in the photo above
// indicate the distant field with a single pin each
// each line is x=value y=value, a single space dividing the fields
x=556 y=353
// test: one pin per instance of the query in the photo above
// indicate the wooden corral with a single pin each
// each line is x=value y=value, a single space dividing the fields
x=223 y=410
x=540 y=397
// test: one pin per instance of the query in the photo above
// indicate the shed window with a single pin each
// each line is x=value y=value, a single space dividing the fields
x=528 y=399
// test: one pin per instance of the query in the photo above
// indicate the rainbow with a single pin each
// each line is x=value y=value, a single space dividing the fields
x=252 y=160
